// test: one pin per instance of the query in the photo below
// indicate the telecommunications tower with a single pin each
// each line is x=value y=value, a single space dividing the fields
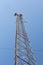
x=23 y=51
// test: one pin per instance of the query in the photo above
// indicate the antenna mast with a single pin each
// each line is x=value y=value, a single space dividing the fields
x=23 y=51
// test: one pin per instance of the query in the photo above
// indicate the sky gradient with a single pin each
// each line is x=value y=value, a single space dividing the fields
x=32 y=11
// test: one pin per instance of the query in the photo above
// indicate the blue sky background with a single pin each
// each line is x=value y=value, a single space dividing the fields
x=32 y=11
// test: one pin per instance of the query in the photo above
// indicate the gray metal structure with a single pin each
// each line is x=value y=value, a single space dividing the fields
x=23 y=51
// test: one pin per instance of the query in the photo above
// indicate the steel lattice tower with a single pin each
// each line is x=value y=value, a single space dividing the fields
x=23 y=51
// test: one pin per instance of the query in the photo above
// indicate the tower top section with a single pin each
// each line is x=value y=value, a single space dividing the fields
x=16 y=14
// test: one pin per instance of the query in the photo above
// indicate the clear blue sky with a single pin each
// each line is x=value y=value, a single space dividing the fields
x=32 y=11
